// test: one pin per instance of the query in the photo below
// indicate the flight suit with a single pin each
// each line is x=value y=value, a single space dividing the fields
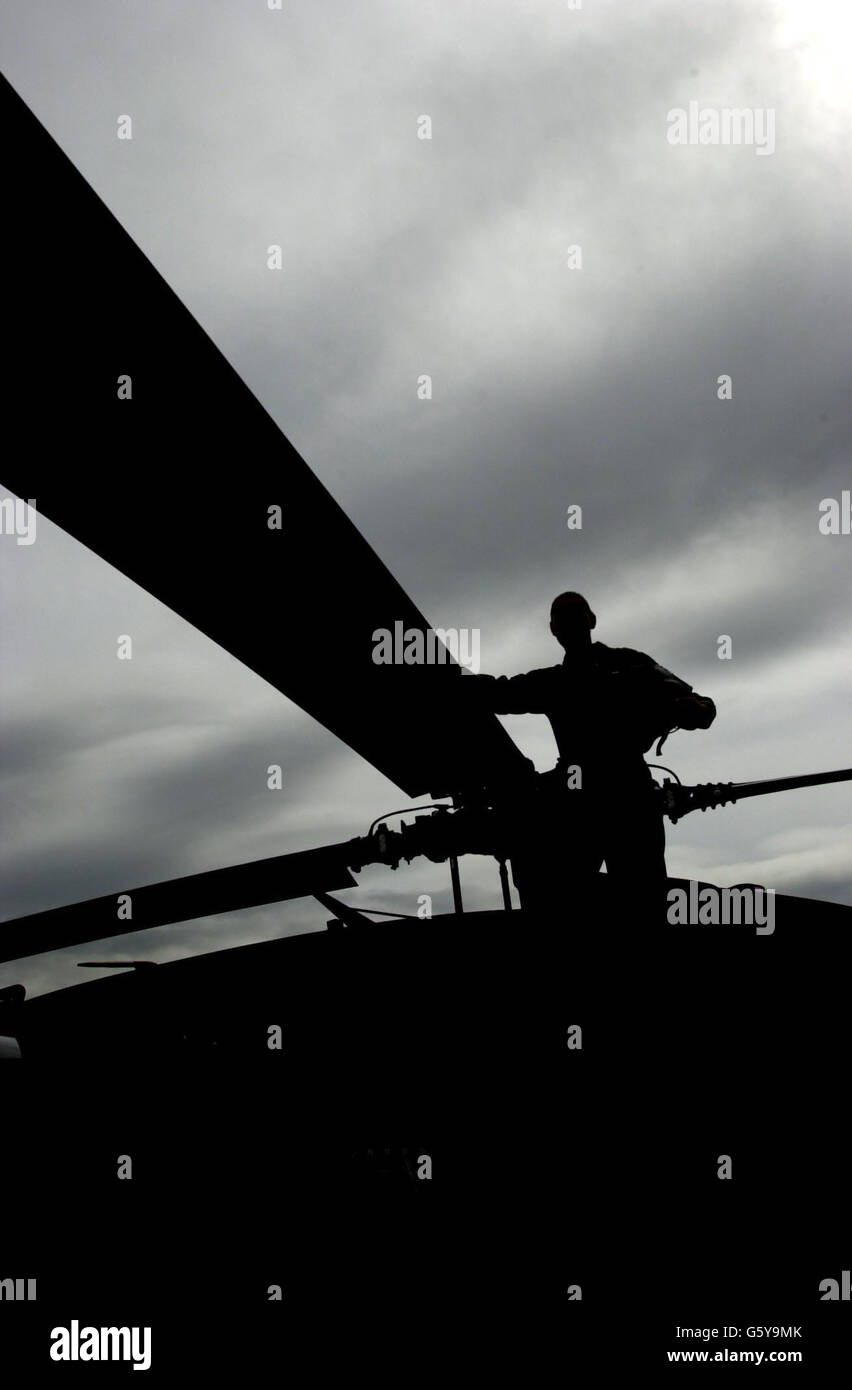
x=605 y=712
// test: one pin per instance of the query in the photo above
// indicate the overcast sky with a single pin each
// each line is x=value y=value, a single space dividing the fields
x=552 y=386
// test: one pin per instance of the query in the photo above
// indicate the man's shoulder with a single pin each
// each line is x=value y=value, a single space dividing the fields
x=622 y=658
x=625 y=659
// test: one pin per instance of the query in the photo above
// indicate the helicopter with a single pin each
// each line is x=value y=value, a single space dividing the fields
x=394 y=1041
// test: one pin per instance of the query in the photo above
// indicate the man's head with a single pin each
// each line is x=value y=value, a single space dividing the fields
x=571 y=621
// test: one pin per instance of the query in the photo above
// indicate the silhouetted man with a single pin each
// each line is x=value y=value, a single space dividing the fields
x=607 y=707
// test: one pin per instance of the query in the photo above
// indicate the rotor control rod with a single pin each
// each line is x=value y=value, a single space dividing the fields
x=678 y=801
x=447 y=833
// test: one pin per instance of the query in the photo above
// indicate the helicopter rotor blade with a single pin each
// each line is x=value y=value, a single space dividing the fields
x=185 y=484
x=274 y=880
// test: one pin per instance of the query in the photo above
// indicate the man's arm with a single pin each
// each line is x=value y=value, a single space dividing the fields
x=685 y=708
x=530 y=693
x=690 y=711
